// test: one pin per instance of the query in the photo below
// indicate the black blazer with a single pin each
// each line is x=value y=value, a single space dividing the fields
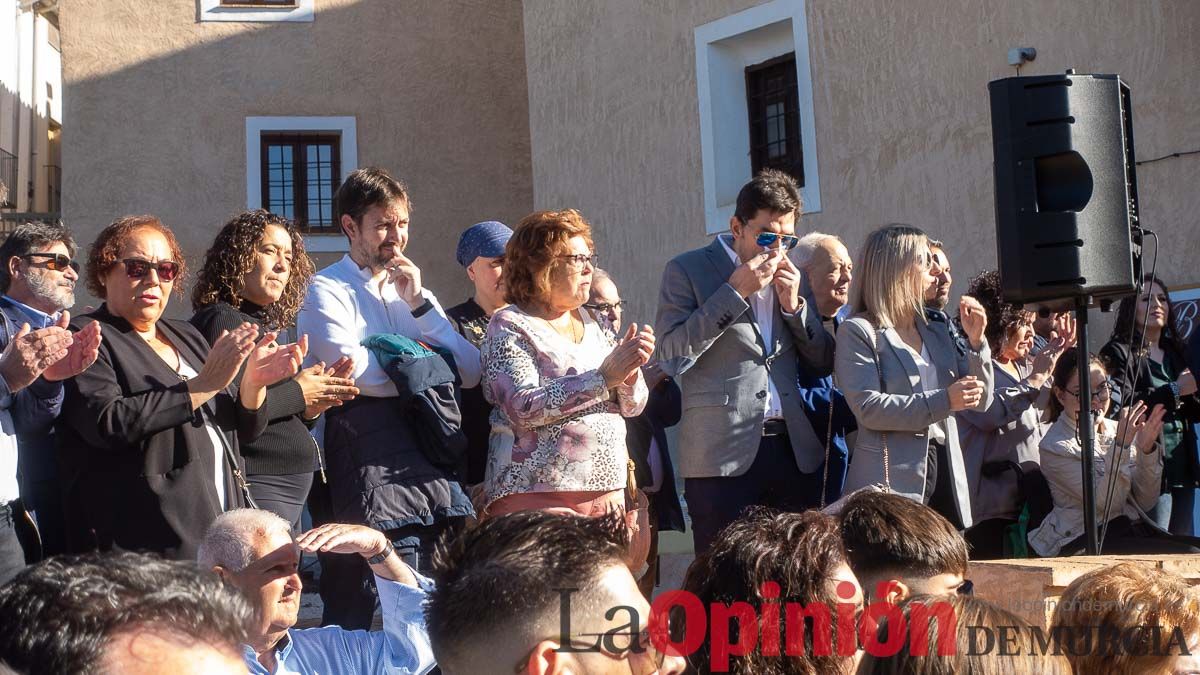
x=138 y=464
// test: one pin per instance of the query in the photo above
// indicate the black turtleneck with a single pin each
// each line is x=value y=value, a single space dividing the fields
x=286 y=446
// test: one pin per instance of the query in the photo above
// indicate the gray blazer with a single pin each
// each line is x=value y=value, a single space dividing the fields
x=708 y=340
x=899 y=410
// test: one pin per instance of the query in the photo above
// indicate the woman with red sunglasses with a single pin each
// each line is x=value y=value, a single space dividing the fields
x=149 y=435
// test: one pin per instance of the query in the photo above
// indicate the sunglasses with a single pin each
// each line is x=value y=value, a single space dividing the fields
x=136 y=268
x=54 y=261
x=769 y=239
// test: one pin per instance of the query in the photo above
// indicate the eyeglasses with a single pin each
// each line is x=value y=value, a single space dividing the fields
x=136 y=268
x=1102 y=392
x=54 y=261
x=640 y=645
x=580 y=259
x=769 y=239
x=604 y=307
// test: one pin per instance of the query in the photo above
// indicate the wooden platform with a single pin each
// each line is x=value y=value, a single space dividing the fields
x=1031 y=588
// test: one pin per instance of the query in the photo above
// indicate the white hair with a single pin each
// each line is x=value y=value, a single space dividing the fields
x=229 y=541
x=802 y=254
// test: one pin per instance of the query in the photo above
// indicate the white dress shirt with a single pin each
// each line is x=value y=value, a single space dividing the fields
x=343 y=307
x=763 y=304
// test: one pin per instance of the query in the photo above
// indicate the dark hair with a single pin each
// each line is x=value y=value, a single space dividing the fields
x=104 y=250
x=232 y=257
x=29 y=237
x=533 y=253
x=1066 y=366
x=57 y=616
x=974 y=620
x=1124 y=329
x=1002 y=317
x=367 y=187
x=798 y=551
x=772 y=190
x=885 y=533
x=505 y=574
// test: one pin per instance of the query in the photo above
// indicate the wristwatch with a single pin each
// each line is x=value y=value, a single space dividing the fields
x=382 y=555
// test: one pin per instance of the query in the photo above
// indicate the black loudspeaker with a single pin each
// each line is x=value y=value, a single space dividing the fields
x=1066 y=191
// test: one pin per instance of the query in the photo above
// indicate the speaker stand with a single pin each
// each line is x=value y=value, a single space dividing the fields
x=1086 y=428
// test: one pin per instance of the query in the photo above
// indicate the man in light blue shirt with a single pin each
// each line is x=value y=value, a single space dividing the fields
x=254 y=551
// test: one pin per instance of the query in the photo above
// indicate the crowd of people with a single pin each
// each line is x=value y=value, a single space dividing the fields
x=493 y=476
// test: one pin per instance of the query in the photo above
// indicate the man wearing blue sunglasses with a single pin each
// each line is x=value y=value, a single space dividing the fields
x=735 y=331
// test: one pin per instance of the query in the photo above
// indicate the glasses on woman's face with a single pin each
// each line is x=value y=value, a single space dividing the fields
x=581 y=260
x=138 y=268
x=1101 y=394
x=54 y=261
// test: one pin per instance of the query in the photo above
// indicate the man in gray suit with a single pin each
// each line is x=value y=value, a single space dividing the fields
x=734 y=330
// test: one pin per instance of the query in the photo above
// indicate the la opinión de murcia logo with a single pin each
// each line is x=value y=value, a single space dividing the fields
x=741 y=628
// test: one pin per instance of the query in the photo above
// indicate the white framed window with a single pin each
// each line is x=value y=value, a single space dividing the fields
x=294 y=166
x=727 y=51
x=256 y=10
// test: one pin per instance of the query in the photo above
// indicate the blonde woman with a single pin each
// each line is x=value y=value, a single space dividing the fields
x=905 y=377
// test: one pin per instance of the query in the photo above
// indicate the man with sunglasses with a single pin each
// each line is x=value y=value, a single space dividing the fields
x=735 y=330
x=37 y=279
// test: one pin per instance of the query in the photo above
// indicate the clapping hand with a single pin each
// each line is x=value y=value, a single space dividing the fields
x=1061 y=337
x=226 y=357
x=1144 y=430
x=269 y=362
x=634 y=350
x=30 y=352
x=83 y=352
x=974 y=320
x=325 y=387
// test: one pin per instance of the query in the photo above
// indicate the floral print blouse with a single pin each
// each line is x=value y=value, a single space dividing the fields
x=556 y=426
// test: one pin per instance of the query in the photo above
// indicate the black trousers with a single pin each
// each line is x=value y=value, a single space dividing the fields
x=773 y=479
x=939 y=484
x=12 y=553
x=347 y=585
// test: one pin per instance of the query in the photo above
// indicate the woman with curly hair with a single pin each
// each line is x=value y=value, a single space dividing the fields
x=257 y=272
x=1000 y=444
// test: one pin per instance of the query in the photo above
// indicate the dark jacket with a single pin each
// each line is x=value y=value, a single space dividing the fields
x=387 y=459
x=663 y=410
x=137 y=462
x=471 y=322
x=816 y=395
x=33 y=409
x=285 y=447
x=1181 y=465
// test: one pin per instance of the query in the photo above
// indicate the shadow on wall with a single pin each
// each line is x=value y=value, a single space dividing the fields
x=157 y=104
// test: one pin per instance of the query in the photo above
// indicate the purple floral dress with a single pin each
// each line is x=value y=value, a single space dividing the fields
x=556 y=427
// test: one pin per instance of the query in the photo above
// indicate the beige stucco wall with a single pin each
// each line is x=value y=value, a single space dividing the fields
x=901 y=107
x=158 y=101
